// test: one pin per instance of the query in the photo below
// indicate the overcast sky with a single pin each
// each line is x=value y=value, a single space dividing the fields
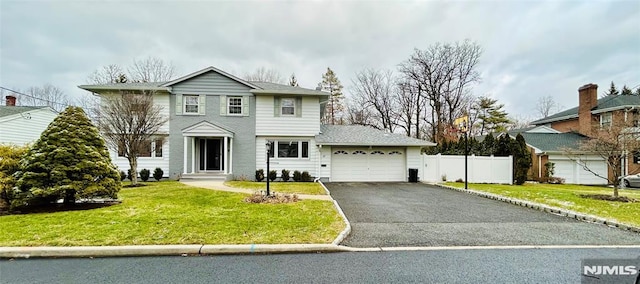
x=530 y=48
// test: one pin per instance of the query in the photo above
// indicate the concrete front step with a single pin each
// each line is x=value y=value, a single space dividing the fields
x=204 y=176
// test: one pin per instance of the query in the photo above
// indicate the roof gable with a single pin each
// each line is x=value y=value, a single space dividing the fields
x=205 y=128
x=206 y=70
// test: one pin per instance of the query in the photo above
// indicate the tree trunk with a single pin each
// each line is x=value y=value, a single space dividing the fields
x=133 y=165
x=69 y=197
x=615 y=190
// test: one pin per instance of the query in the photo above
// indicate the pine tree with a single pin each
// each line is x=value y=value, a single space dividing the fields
x=491 y=115
x=626 y=91
x=293 y=81
x=612 y=90
x=334 y=108
x=502 y=146
x=69 y=161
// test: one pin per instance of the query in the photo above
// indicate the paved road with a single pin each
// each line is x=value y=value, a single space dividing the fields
x=406 y=214
x=451 y=266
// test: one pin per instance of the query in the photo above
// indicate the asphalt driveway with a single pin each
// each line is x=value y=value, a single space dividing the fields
x=408 y=214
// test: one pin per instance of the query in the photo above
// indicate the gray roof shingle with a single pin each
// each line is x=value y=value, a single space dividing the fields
x=11 y=110
x=549 y=142
x=358 y=135
x=273 y=88
x=608 y=102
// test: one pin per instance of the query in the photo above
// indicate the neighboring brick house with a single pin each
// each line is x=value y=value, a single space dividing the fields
x=606 y=111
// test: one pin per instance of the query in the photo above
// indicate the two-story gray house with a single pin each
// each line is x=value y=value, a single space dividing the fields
x=220 y=125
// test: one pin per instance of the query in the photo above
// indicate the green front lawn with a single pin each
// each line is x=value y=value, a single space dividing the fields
x=173 y=213
x=568 y=196
x=281 y=187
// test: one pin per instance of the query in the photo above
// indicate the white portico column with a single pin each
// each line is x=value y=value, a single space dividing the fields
x=184 y=151
x=226 y=157
x=193 y=155
x=231 y=155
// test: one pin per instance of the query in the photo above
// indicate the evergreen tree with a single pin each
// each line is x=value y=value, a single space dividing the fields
x=626 y=91
x=502 y=147
x=637 y=92
x=612 y=90
x=293 y=81
x=68 y=161
x=522 y=159
x=491 y=116
x=488 y=145
x=334 y=108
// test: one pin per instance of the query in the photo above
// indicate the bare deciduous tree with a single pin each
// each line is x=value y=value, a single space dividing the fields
x=128 y=121
x=107 y=74
x=443 y=74
x=610 y=143
x=47 y=95
x=263 y=74
x=150 y=69
x=374 y=92
x=547 y=105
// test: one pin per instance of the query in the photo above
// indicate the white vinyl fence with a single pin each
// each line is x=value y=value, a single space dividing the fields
x=481 y=169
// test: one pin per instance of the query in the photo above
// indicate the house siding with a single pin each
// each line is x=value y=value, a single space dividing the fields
x=414 y=161
x=325 y=159
x=149 y=163
x=267 y=123
x=210 y=83
x=292 y=164
x=243 y=127
x=21 y=130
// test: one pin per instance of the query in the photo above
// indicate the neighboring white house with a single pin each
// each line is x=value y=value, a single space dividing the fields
x=21 y=125
x=220 y=125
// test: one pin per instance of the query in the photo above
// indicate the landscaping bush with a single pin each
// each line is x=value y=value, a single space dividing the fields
x=260 y=175
x=123 y=175
x=459 y=180
x=285 y=175
x=297 y=176
x=157 y=174
x=9 y=165
x=306 y=176
x=273 y=174
x=144 y=174
x=549 y=169
x=277 y=198
x=69 y=161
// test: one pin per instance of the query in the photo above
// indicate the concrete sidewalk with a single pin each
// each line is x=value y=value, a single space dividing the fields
x=219 y=185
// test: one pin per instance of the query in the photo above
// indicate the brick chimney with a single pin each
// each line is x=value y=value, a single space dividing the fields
x=587 y=100
x=11 y=101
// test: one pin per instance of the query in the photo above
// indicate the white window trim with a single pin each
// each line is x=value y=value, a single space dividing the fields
x=610 y=120
x=282 y=100
x=153 y=151
x=275 y=149
x=241 y=106
x=184 y=105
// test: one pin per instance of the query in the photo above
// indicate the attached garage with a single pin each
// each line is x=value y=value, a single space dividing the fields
x=574 y=173
x=364 y=164
x=355 y=153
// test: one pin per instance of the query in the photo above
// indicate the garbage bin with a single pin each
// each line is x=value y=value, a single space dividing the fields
x=413 y=175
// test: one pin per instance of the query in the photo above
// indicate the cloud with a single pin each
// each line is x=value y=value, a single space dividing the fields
x=531 y=49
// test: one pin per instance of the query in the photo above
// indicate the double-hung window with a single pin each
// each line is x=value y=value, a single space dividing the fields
x=190 y=104
x=287 y=106
x=234 y=105
x=605 y=120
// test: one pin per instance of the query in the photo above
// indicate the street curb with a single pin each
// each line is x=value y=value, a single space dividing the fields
x=347 y=229
x=546 y=208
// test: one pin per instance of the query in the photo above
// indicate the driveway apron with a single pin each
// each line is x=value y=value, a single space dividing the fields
x=414 y=214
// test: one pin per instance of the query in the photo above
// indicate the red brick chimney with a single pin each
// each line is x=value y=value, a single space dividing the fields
x=587 y=100
x=11 y=101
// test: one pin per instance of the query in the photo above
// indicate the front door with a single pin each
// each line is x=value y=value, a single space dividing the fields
x=210 y=154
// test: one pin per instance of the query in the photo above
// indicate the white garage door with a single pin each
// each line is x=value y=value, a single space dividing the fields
x=364 y=164
x=576 y=174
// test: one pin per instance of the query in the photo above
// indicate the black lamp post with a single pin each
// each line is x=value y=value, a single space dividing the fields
x=268 y=144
